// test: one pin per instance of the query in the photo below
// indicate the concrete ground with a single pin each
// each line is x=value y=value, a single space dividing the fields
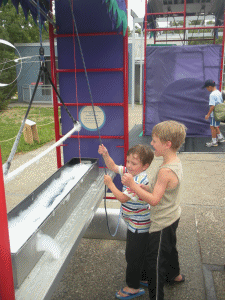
x=97 y=269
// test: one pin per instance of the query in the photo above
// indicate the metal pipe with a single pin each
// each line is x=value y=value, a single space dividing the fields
x=182 y=28
x=222 y=54
x=16 y=172
x=133 y=64
x=125 y=72
x=6 y=274
x=89 y=104
x=141 y=85
x=145 y=45
x=166 y=13
x=89 y=70
x=55 y=100
x=116 y=137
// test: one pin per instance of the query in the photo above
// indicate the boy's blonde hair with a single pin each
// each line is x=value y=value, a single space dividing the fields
x=144 y=152
x=172 y=131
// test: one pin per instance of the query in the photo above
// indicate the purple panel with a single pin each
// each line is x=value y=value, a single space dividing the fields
x=90 y=16
x=98 y=52
x=175 y=76
x=113 y=123
x=106 y=87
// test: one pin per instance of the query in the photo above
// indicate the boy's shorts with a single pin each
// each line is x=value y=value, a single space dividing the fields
x=214 y=123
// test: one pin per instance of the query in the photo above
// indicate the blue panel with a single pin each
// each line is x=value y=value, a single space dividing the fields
x=113 y=123
x=98 y=52
x=106 y=87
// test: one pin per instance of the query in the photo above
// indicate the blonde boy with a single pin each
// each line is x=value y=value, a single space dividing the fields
x=163 y=195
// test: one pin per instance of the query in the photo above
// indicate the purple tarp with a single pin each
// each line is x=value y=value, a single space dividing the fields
x=175 y=76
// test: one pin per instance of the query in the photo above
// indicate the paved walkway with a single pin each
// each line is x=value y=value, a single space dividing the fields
x=97 y=269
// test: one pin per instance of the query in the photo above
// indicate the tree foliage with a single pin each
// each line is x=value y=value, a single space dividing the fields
x=14 y=28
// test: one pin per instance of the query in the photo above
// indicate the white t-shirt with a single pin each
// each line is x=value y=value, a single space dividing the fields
x=215 y=98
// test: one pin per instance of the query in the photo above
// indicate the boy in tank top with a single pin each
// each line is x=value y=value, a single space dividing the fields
x=163 y=194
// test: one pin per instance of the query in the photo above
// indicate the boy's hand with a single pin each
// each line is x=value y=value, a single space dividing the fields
x=145 y=187
x=107 y=180
x=127 y=180
x=102 y=150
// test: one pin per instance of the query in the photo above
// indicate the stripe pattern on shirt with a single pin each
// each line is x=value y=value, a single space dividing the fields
x=135 y=211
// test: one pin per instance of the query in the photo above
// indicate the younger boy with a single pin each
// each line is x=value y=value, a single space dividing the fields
x=163 y=195
x=135 y=212
x=214 y=98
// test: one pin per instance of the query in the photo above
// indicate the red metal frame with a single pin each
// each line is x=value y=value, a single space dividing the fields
x=56 y=105
x=184 y=28
x=6 y=275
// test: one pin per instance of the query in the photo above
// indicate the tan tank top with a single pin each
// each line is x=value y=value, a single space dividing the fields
x=168 y=210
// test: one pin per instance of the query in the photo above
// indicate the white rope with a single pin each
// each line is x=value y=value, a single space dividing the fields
x=16 y=172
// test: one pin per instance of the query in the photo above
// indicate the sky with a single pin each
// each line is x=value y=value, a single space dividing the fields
x=138 y=6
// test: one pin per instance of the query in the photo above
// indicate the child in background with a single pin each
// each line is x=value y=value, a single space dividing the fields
x=215 y=98
x=164 y=196
x=135 y=212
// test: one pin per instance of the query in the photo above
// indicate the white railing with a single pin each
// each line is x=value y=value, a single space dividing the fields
x=43 y=93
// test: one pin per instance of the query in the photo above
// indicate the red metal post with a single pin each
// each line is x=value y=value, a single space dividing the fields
x=6 y=275
x=184 y=25
x=145 y=45
x=125 y=79
x=54 y=80
x=222 y=54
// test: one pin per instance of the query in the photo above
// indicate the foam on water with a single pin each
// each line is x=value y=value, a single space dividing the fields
x=27 y=222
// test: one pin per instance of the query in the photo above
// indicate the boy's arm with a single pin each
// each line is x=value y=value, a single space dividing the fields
x=110 y=164
x=164 y=177
x=117 y=193
x=210 y=111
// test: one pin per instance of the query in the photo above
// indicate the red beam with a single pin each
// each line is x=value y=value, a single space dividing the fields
x=6 y=275
x=89 y=70
x=222 y=55
x=117 y=137
x=166 y=13
x=90 y=104
x=55 y=100
x=186 y=40
x=183 y=28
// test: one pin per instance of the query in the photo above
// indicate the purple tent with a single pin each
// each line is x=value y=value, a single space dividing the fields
x=174 y=80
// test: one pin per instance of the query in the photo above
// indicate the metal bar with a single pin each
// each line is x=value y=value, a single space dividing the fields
x=88 y=34
x=166 y=13
x=6 y=274
x=89 y=70
x=145 y=44
x=125 y=86
x=182 y=28
x=222 y=54
x=89 y=104
x=16 y=172
x=117 y=137
x=43 y=13
x=186 y=40
x=55 y=100
x=184 y=24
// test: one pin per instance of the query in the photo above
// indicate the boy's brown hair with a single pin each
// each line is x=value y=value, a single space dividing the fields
x=144 y=152
x=172 y=131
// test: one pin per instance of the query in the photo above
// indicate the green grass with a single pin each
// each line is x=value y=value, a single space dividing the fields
x=10 y=122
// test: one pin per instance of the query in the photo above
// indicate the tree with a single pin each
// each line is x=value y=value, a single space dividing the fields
x=14 y=28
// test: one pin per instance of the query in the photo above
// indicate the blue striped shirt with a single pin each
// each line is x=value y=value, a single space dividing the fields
x=135 y=211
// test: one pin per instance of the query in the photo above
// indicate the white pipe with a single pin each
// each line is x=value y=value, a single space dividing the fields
x=16 y=172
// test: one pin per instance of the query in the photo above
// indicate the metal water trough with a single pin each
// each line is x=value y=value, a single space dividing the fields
x=26 y=259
